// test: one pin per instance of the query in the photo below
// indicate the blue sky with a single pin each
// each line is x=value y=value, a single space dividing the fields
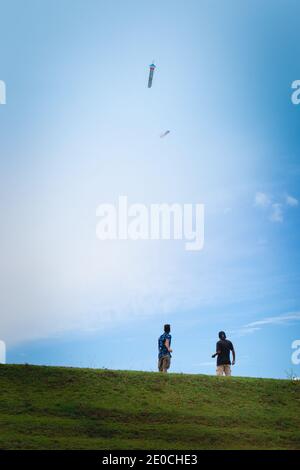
x=80 y=127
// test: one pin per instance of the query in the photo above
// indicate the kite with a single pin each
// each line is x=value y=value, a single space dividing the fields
x=164 y=134
x=151 y=73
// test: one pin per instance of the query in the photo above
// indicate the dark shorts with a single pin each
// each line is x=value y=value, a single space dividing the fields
x=164 y=363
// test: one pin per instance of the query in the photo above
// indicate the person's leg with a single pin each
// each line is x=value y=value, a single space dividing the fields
x=166 y=363
x=227 y=370
x=160 y=364
x=219 y=370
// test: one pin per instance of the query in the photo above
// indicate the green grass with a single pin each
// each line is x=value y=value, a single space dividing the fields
x=68 y=408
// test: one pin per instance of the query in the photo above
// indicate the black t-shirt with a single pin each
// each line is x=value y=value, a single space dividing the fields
x=224 y=346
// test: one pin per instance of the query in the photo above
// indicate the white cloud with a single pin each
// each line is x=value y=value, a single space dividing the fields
x=291 y=201
x=278 y=320
x=275 y=209
x=269 y=321
x=245 y=331
x=276 y=213
x=262 y=199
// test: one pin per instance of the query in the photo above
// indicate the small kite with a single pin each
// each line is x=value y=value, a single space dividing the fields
x=164 y=134
x=151 y=73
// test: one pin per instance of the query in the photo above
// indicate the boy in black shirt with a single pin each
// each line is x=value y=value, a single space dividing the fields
x=223 y=348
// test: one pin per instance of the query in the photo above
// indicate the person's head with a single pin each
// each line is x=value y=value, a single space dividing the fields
x=222 y=335
x=167 y=328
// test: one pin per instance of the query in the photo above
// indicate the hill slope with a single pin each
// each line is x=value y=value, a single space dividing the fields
x=66 y=408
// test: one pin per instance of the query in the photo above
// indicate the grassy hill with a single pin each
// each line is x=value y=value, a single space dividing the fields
x=68 y=408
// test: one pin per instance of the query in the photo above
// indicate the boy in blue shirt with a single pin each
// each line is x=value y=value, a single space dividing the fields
x=164 y=350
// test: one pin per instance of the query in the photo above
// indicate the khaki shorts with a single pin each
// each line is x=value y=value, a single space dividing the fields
x=224 y=370
x=164 y=363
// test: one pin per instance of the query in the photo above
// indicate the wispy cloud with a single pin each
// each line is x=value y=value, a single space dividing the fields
x=268 y=321
x=278 y=320
x=262 y=200
x=276 y=213
x=274 y=208
x=291 y=201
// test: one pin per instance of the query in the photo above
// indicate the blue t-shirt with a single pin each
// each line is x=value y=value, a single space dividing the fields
x=162 y=350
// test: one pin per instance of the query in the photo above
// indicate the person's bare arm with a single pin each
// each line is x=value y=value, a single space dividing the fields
x=167 y=344
x=216 y=354
x=233 y=356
